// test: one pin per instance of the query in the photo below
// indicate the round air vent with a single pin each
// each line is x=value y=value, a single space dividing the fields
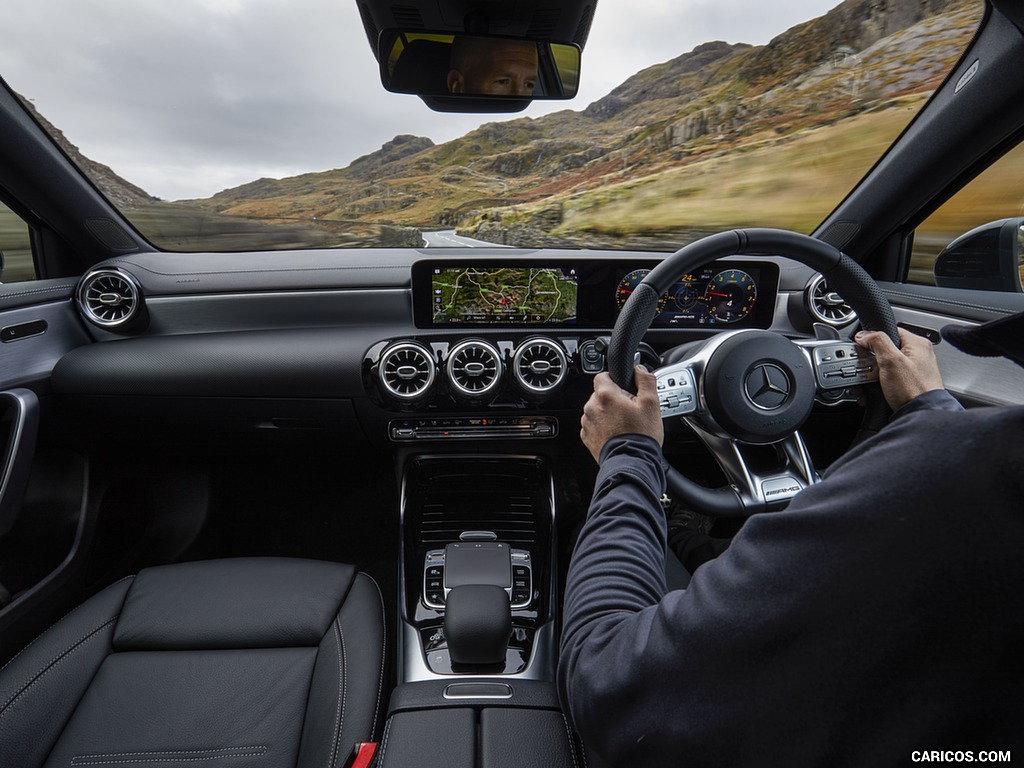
x=825 y=305
x=110 y=298
x=406 y=370
x=474 y=368
x=539 y=365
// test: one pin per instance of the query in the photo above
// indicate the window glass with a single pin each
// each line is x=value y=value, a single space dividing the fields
x=16 y=262
x=975 y=239
x=275 y=133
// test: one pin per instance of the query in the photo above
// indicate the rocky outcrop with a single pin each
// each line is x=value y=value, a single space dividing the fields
x=121 y=193
x=398 y=148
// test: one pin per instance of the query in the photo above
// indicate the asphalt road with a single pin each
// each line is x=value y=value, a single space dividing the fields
x=447 y=238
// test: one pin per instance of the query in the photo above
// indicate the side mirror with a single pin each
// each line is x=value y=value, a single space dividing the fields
x=988 y=258
x=476 y=73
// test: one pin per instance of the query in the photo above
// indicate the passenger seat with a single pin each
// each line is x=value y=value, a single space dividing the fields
x=233 y=663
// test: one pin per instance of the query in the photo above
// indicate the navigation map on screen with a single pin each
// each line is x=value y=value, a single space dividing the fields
x=494 y=295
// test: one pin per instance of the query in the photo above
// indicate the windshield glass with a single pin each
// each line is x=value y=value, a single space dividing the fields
x=228 y=125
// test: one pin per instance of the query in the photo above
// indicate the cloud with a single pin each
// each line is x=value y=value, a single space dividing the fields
x=187 y=98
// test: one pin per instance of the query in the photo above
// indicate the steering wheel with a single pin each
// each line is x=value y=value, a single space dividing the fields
x=753 y=387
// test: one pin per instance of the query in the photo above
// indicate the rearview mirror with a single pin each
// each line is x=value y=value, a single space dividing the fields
x=506 y=73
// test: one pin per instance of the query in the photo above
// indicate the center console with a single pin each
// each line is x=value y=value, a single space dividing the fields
x=477 y=645
x=477 y=521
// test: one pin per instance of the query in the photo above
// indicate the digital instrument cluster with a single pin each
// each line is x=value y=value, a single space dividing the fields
x=709 y=296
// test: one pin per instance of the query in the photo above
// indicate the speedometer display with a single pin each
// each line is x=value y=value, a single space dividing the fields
x=629 y=283
x=722 y=293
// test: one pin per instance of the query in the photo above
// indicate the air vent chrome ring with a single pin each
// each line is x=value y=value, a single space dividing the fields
x=109 y=298
x=474 y=368
x=825 y=305
x=406 y=370
x=539 y=365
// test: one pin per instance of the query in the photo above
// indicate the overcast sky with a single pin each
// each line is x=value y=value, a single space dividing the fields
x=189 y=97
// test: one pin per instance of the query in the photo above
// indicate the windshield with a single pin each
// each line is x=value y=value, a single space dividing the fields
x=242 y=125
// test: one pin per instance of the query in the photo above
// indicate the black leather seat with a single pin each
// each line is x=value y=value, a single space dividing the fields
x=246 y=662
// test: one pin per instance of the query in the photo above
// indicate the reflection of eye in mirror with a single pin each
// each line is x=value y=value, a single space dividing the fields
x=437 y=64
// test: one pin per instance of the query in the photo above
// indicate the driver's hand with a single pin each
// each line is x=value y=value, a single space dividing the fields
x=903 y=373
x=612 y=411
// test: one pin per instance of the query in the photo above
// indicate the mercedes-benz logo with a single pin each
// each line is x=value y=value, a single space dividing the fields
x=767 y=386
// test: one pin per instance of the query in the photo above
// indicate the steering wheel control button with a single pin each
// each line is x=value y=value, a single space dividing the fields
x=676 y=394
x=843 y=364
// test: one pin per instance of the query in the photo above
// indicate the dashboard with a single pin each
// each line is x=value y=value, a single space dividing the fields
x=397 y=344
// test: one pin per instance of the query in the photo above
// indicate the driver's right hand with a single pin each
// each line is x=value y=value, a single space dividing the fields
x=613 y=411
x=903 y=373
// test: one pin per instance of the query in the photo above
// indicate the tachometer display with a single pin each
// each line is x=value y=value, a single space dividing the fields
x=730 y=295
x=629 y=283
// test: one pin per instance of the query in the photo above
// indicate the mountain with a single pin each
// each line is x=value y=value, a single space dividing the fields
x=119 y=191
x=590 y=175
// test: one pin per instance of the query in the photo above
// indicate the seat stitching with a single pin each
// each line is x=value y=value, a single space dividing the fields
x=101 y=758
x=383 y=655
x=55 y=662
x=344 y=680
x=568 y=734
x=40 y=635
x=339 y=717
x=384 y=742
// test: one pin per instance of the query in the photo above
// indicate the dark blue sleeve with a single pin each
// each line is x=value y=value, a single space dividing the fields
x=774 y=644
x=935 y=400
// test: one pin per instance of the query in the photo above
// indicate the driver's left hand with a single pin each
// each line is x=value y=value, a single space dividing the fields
x=613 y=411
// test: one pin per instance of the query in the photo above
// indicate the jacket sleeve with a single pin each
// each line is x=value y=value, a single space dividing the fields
x=773 y=644
x=935 y=400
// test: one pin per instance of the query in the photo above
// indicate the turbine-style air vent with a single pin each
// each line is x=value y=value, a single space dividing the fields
x=110 y=298
x=827 y=305
x=474 y=368
x=406 y=370
x=539 y=365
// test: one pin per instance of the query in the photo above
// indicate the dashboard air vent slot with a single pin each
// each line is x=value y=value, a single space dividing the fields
x=539 y=365
x=406 y=370
x=826 y=305
x=474 y=368
x=109 y=298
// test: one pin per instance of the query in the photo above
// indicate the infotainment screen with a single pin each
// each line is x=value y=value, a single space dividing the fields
x=477 y=295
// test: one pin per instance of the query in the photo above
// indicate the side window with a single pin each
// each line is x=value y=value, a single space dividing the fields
x=976 y=239
x=16 y=262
